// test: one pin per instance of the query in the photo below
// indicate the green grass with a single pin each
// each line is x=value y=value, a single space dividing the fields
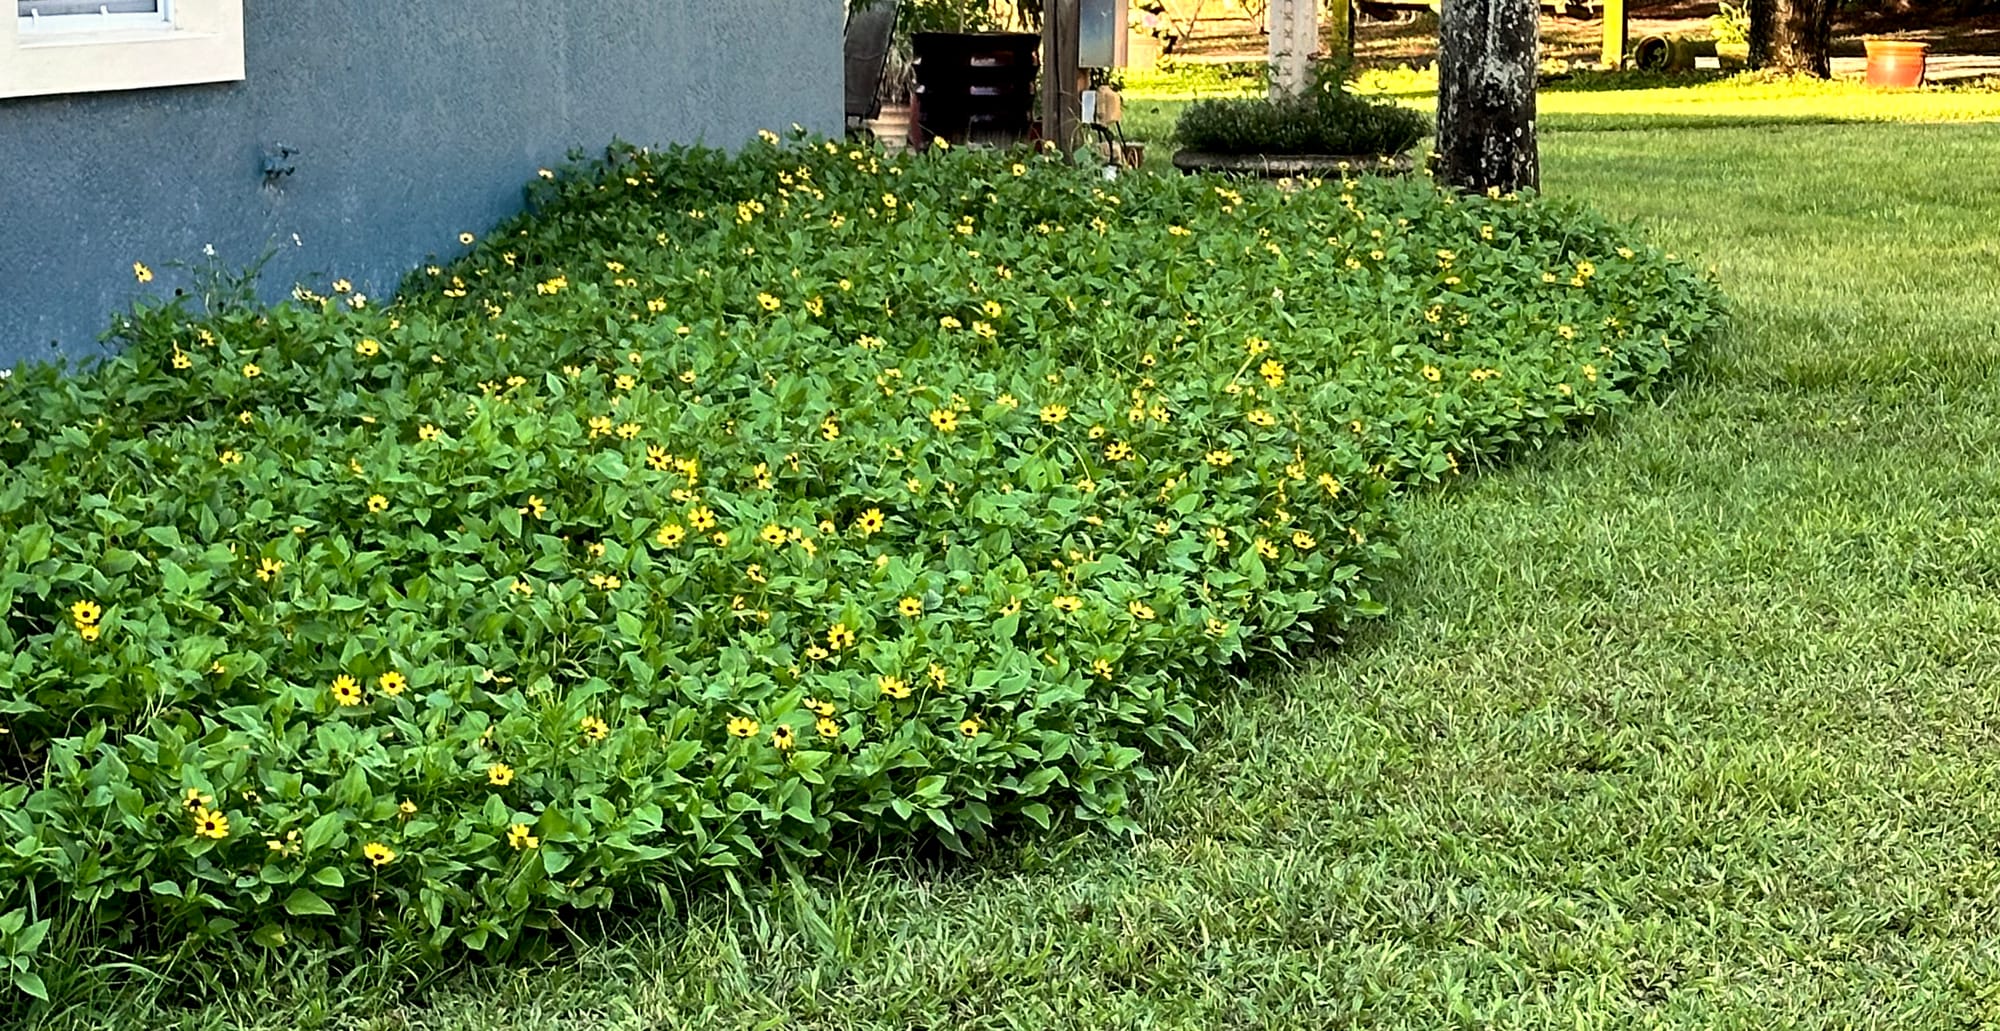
x=1688 y=724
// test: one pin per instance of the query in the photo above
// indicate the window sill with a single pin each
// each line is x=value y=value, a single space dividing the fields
x=204 y=45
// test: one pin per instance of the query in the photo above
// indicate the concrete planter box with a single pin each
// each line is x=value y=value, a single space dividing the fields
x=1291 y=166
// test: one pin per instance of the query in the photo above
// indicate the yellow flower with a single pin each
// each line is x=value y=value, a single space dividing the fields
x=210 y=824
x=89 y=632
x=521 y=587
x=346 y=690
x=499 y=775
x=85 y=613
x=465 y=238
x=1215 y=627
x=1140 y=609
x=428 y=432
x=1266 y=549
x=911 y=607
x=378 y=854
x=826 y=727
x=769 y=302
x=251 y=371
x=1221 y=458
x=818 y=707
x=194 y=801
x=670 y=535
x=519 y=837
x=945 y=419
x=774 y=535
x=970 y=726
x=838 y=636
x=594 y=728
x=782 y=738
x=1260 y=417
x=1053 y=414
x=1303 y=540
x=377 y=503
x=1100 y=668
x=830 y=430
x=1590 y=372
x=702 y=519
x=181 y=360
x=368 y=348
x=893 y=687
x=1273 y=372
x=407 y=808
x=1180 y=231
x=1431 y=373
x=230 y=458
x=268 y=569
x=141 y=272
x=871 y=522
x=1566 y=332
x=742 y=726
x=1066 y=603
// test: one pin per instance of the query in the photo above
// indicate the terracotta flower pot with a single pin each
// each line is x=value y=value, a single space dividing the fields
x=1895 y=63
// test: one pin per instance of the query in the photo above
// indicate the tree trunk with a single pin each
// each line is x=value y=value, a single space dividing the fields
x=1792 y=36
x=1486 y=94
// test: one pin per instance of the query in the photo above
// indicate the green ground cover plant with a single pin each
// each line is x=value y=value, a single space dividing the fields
x=728 y=512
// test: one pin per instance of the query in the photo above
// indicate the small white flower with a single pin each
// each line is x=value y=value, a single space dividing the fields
x=296 y=242
x=358 y=301
x=208 y=249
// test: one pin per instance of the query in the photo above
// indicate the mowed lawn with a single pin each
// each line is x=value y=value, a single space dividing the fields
x=1693 y=722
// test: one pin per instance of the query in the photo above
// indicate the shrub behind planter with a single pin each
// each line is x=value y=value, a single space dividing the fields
x=1328 y=121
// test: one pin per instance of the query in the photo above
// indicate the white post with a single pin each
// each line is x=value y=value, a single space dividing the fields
x=1294 y=41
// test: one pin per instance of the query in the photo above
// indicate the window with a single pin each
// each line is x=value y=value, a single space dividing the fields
x=39 y=16
x=87 y=46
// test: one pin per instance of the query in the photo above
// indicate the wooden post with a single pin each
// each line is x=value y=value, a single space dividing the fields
x=1343 y=29
x=1294 y=40
x=1617 y=33
x=1062 y=96
x=1486 y=94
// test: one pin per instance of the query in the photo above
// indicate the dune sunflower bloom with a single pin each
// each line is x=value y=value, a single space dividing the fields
x=251 y=370
x=1118 y=451
x=1266 y=549
x=378 y=854
x=1140 y=610
x=702 y=519
x=818 y=707
x=594 y=729
x=141 y=273
x=499 y=775
x=911 y=607
x=193 y=800
x=392 y=683
x=782 y=738
x=1303 y=540
x=743 y=726
x=774 y=535
x=871 y=522
x=1053 y=414
x=893 y=686
x=826 y=728
x=368 y=347
x=85 y=613
x=1221 y=458
x=519 y=838
x=670 y=535
x=1066 y=603
x=944 y=419
x=210 y=824
x=377 y=503
x=838 y=636
x=346 y=690
x=970 y=726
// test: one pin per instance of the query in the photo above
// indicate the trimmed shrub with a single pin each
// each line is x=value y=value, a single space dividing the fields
x=729 y=510
x=1326 y=121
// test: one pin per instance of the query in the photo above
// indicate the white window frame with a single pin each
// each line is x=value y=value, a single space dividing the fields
x=190 y=41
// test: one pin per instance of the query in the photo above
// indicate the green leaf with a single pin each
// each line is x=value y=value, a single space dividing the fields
x=302 y=902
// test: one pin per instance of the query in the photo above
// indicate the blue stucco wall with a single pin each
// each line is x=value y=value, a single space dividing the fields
x=412 y=121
